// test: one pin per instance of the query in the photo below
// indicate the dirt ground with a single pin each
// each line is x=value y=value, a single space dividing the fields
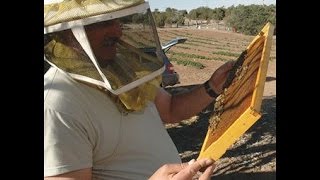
x=253 y=156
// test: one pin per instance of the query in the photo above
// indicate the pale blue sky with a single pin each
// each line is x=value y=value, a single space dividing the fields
x=193 y=4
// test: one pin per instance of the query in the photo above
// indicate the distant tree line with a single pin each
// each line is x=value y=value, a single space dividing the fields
x=248 y=20
x=170 y=16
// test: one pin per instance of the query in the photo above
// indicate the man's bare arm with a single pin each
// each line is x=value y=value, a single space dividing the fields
x=174 y=108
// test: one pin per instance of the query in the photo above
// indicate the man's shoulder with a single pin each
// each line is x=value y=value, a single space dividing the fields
x=57 y=79
x=59 y=88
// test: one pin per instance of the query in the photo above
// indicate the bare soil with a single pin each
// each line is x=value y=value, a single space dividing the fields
x=253 y=156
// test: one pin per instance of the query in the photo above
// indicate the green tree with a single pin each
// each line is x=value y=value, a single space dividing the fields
x=160 y=19
x=218 y=14
x=250 y=19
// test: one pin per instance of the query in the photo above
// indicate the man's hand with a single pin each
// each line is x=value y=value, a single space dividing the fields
x=219 y=77
x=185 y=171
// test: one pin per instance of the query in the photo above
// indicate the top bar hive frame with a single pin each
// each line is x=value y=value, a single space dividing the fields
x=238 y=107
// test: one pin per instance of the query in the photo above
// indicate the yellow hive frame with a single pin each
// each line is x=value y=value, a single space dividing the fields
x=214 y=145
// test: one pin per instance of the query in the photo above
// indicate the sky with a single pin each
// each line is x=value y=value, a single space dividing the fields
x=193 y=4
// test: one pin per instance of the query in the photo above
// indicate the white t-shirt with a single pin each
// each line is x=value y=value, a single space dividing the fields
x=83 y=129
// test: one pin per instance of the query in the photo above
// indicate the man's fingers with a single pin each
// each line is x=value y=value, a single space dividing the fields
x=228 y=66
x=202 y=163
x=207 y=173
x=220 y=75
x=174 y=168
x=191 y=161
x=224 y=69
x=193 y=168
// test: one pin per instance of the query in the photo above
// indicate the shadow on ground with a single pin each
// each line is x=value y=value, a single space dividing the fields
x=247 y=176
x=253 y=156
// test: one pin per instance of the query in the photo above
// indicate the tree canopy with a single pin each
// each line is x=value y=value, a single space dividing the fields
x=245 y=19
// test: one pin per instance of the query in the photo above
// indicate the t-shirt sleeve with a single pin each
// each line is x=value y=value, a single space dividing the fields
x=67 y=146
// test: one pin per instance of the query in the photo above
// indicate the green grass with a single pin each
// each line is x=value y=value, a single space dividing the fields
x=188 y=63
x=225 y=53
x=193 y=56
